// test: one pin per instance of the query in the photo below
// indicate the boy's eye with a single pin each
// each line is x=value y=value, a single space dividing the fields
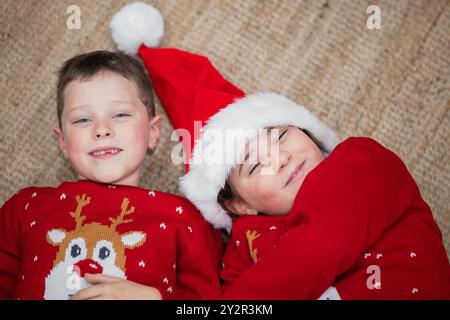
x=254 y=167
x=82 y=120
x=282 y=134
x=121 y=115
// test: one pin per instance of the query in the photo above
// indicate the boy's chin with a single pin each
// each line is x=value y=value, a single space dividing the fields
x=106 y=178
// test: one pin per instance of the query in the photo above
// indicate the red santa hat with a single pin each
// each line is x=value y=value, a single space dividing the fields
x=191 y=89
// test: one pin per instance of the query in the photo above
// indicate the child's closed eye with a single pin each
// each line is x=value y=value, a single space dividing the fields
x=282 y=134
x=254 y=168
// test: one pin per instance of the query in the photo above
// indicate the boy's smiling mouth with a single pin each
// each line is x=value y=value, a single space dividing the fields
x=104 y=152
x=297 y=173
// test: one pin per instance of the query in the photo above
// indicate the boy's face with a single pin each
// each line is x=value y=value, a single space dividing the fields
x=278 y=161
x=106 y=130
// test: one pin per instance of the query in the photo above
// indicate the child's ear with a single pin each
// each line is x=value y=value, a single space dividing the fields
x=240 y=207
x=61 y=142
x=155 y=131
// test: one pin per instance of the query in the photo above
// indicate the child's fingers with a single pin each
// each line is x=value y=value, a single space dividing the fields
x=99 y=278
x=101 y=297
x=88 y=293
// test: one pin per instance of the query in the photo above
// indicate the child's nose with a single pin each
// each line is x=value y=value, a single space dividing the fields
x=100 y=134
x=274 y=163
x=284 y=159
x=103 y=131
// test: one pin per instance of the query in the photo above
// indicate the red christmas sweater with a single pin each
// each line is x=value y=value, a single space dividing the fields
x=51 y=237
x=358 y=223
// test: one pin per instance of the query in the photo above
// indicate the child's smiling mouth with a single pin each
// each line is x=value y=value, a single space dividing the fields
x=296 y=174
x=105 y=152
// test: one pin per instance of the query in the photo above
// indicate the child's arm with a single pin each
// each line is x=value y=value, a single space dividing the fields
x=10 y=249
x=198 y=259
x=359 y=191
x=251 y=238
x=234 y=263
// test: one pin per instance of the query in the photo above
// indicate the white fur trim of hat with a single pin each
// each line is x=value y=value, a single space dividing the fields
x=218 y=150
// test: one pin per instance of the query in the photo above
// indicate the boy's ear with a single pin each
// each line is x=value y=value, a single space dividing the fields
x=155 y=131
x=61 y=142
x=240 y=207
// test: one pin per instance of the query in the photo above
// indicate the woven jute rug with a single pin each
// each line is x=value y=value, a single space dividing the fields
x=391 y=84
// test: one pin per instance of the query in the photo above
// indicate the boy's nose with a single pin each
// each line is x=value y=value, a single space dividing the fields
x=107 y=134
x=103 y=131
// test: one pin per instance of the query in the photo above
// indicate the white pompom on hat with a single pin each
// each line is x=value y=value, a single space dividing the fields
x=136 y=24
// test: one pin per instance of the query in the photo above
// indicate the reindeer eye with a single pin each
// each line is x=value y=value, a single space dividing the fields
x=75 y=251
x=104 y=253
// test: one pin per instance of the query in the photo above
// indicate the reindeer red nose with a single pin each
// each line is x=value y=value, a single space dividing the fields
x=87 y=266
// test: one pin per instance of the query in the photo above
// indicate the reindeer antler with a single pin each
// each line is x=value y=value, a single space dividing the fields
x=123 y=213
x=83 y=201
x=252 y=235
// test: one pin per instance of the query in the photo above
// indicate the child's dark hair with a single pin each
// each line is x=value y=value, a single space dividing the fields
x=227 y=192
x=87 y=65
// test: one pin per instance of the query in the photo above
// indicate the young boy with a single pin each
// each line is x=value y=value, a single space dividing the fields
x=104 y=234
x=312 y=213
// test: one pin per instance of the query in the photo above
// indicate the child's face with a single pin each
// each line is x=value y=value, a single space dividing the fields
x=280 y=159
x=106 y=130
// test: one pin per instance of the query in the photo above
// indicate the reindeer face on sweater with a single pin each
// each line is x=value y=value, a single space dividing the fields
x=89 y=248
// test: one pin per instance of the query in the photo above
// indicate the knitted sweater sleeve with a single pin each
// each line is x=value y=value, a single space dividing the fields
x=199 y=251
x=10 y=249
x=236 y=258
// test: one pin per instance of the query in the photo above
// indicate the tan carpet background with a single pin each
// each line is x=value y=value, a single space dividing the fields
x=391 y=84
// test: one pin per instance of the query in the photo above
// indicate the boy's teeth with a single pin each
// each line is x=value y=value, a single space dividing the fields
x=100 y=153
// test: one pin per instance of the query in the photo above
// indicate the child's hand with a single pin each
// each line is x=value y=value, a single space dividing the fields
x=112 y=288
